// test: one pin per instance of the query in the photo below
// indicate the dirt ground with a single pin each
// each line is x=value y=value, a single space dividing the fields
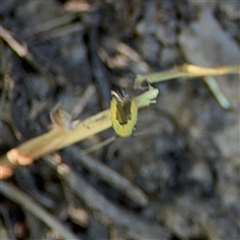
x=184 y=154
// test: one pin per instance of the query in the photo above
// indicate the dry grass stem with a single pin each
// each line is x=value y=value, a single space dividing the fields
x=185 y=71
x=17 y=196
x=110 y=176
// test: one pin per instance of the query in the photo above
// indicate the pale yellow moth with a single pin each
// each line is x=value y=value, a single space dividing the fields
x=124 y=111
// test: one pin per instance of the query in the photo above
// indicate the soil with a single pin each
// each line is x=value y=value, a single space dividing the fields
x=184 y=153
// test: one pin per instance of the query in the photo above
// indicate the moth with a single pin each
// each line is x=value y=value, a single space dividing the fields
x=124 y=111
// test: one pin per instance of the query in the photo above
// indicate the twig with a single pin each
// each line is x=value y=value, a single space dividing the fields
x=98 y=70
x=18 y=48
x=78 y=6
x=56 y=139
x=85 y=98
x=185 y=71
x=4 y=211
x=98 y=145
x=55 y=23
x=22 y=51
x=63 y=31
x=110 y=176
x=104 y=210
x=192 y=71
x=217 y=92
x=17 y=196
x=59 y=138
